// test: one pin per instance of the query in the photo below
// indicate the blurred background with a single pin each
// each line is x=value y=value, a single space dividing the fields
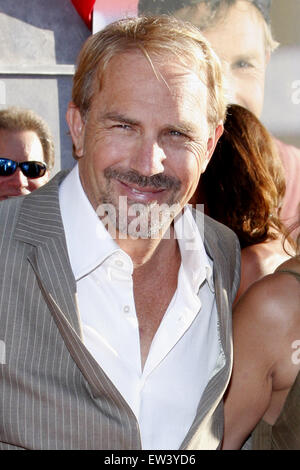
x=40 y=41
x=281 y=113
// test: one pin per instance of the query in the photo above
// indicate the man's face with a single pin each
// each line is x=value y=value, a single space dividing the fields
x=20 y=146
x=238 y=39
x=146 y=135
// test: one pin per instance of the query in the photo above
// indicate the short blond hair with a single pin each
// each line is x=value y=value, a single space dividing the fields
x=156 y=37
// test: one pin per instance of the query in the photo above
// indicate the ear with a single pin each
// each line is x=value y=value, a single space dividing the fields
x=76 y=126
x=211 y=144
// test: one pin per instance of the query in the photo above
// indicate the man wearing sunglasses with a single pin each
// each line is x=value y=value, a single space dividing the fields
x=26 y=152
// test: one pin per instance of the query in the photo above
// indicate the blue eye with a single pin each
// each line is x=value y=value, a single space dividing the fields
x=176 y=133
x=123 y=126
x=242 y=64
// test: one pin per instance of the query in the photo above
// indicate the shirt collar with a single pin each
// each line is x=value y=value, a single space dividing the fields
x=88 y=242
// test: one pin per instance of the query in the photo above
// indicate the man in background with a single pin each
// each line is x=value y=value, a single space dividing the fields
x=26 y=152
x=239 y=32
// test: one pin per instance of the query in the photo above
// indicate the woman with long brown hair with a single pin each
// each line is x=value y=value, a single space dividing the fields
x=243 y=188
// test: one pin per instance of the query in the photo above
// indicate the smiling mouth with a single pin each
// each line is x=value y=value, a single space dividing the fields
x=140 y=194
x=140 y=188
x=137 y=189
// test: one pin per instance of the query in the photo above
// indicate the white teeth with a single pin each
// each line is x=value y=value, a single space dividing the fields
x=136 y=191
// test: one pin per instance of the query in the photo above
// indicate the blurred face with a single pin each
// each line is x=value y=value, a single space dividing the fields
x=146 y=135
x=239 y=41
x=20 y=146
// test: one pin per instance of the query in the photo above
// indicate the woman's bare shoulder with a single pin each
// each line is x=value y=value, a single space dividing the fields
x=273 y=300
x=263 y=258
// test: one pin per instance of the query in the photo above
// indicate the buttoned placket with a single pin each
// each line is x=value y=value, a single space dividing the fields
x=118 y=269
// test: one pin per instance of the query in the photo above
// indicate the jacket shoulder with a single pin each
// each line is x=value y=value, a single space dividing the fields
x=222 y=245
x=216 y=232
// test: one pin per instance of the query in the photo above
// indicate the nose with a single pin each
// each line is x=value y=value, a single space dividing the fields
x=18 y=180
x=148 y=159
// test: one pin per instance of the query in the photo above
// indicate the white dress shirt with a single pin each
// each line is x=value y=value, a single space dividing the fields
x=165 y=394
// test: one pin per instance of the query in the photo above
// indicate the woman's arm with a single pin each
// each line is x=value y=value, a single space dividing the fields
x=265 y=321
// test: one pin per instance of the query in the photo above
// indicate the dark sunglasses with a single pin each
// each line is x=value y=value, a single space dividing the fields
x=30 y=169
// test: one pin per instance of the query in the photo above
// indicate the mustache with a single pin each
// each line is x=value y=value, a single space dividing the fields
x=159 y=181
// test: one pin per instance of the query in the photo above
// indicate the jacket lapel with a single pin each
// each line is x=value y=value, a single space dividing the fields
x=43 y=230
x=207 y=429
x=40 y=225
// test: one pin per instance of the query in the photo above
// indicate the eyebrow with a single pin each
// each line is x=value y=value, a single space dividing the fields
x=184 y=128
x=117 y=117
x=246 y=56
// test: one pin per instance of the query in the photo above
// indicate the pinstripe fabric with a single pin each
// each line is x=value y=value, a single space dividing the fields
x=53 y=394
x=207 y=429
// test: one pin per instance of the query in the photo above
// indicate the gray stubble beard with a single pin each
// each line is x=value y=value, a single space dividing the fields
x=138 y=220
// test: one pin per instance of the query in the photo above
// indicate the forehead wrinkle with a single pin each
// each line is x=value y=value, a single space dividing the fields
x=183 y=127
x=118 y=117
x=184 y=86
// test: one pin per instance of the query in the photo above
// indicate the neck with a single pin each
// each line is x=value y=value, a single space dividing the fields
x=142 y=250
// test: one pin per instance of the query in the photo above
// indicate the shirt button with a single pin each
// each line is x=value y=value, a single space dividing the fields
x=119 y=263
x=126 y=309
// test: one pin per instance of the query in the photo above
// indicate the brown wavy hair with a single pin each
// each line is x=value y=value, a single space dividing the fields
x=244 y=183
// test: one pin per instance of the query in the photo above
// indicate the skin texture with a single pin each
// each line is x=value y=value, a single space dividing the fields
x=266 y=323
x=20 y=146
x=260 y=260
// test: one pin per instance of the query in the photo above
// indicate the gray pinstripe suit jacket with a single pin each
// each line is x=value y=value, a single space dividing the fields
x=53 y=394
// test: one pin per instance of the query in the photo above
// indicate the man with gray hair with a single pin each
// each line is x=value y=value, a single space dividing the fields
x=117 y=326
x=239 y=32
